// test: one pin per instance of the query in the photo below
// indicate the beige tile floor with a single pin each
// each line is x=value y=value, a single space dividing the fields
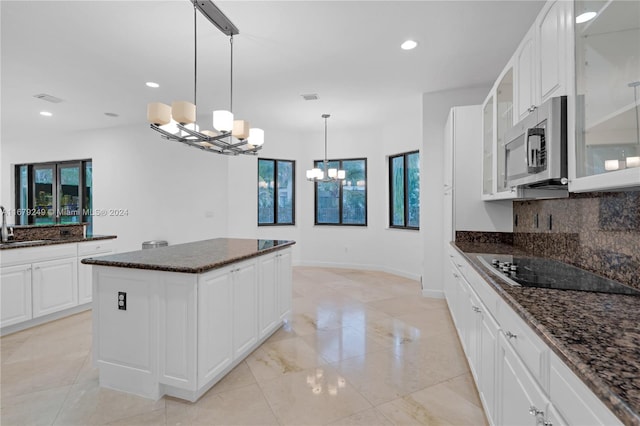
x=363 y=348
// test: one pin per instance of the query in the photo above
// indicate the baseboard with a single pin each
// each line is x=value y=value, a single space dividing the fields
x=44 y=319
x=434 y=294
x=364 y=267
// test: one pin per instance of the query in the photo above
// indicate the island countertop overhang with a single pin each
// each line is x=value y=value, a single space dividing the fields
x=192 y=258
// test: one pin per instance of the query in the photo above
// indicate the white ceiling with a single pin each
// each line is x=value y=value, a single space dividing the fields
x=97 y=55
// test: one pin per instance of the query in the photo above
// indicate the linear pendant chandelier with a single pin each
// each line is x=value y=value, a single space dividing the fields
x=326 y=174
x=178 y=121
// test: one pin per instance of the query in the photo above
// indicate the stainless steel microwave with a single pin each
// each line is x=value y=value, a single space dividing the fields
x=536 y=147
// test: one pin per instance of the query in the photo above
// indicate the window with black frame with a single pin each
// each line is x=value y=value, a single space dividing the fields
x=54 y=193
x=343 y=202
x=276 y=192
x=404 y=190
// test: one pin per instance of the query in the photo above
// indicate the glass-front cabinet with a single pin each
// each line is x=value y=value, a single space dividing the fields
x=607 y=101
x=487 y=147
x=497 y=119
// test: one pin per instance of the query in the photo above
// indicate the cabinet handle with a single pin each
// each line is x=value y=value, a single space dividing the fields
x=532 y=108
x=476 y=309
x=36 y=268
x=456 y=275
x=510 y=335
x=459 y=265
x=98 y=248
x=547 y=423
x=535 y=412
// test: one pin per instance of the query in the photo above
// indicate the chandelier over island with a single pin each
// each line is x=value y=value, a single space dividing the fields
x=178 y=121
x=325 y=174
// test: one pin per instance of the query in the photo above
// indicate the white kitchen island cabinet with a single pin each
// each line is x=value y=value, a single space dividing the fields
x=175 y=320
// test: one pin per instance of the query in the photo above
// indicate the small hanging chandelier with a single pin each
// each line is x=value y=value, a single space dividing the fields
x=178 y=121
x=326 y=174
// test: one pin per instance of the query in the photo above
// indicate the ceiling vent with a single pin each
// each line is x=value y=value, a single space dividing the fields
x=111 y=114
x=310 y=97
x=48 y=98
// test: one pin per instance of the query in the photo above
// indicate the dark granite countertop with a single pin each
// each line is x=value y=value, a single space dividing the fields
x=54 y=241
x=192 y=258
x=597 y=335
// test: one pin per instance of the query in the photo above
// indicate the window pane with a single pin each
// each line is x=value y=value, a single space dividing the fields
x=266 y=205
x=44 y=201
x=285 y=192
x=328 y=197
x=397 y=191
x=88 y=196
x=69 y=201
x=413 y=189
x=354 y=192
x=23 y=198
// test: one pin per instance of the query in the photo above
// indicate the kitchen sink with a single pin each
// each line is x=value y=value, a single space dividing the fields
x=21 y=243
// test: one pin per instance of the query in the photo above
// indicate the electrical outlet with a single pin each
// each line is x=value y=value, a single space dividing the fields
x=122 y=301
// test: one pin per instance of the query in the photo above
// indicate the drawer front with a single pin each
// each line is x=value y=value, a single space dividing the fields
x=526 y=344
x=95 y=247
x=26 y=255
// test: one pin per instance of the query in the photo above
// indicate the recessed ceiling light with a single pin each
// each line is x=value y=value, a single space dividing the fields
x=408 y=45
x=46 y=113
x=584 y=17
x=152 y=84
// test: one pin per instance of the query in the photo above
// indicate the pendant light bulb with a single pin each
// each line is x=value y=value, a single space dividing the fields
x=223 y=121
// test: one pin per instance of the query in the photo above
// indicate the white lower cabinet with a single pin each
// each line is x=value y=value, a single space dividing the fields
x=54 y=286
x=268 y=295
x=205 y=324
x=519 y=379
x=215 y=315
x=15 y=294
x=245 y=307
x=285 y=283
x=522 y=402
x=85 y=250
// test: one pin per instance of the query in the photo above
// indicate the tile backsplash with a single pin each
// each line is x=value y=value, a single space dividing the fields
x=596 y=231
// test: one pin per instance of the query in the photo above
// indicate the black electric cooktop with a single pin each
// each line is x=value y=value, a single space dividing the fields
x=546 y=273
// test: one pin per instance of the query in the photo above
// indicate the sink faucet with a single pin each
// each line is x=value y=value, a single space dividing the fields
x=5 y=233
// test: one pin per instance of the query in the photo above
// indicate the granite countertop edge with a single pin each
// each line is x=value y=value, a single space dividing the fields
x=588 y=376
x=53 y=242
x=186 y=270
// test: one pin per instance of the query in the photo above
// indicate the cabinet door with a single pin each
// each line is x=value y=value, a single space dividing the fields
x=285 y=284
x=15 y=293
x=517 y=390
x=268 y=290
x=487 y=146
x=487 y=350
x=85 y=278
x=55 y=286
x=245 y=307
x=551 y=28
x=524 y=78
x=215 y=316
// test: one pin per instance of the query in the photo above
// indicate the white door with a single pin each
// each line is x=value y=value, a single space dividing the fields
x=55 y=286
x=15 y=293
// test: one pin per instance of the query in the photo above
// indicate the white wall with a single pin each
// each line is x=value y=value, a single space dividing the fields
x=165 y=187
x=435 y=108
x=371 y=247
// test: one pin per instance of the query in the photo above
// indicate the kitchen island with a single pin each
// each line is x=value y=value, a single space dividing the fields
x=175 y=320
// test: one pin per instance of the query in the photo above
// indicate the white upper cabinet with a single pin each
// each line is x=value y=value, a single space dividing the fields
x=552 y=49
x=525 y=76
x=606 y=141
